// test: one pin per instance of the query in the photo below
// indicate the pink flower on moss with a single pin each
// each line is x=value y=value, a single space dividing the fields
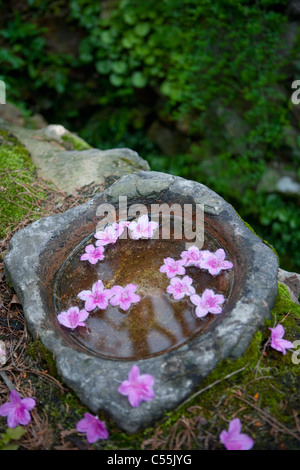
x=142 y=228
x=233 y=439
x=192 y=256
x=17 y=410
x=92 y=427
x=106 y=236
x=138 y=387
x=97 y=297
x=277 y=341
x=73 y=317
x=124 y=296
x=215 y=262
x=209 y=302
x=172 y=268
x=181 y=287
x=93 y=254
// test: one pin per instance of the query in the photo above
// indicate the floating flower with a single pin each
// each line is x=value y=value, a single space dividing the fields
x=172 y=267
x=277 y=341
x=93 y=254
x=180 y=287
x=233 y=439
x=209 y=302
x=214 y=262
x=142 y=228
x=73 y=317
x=17 y=410
x=138 y=387
x=97 y=297
x=120 y=226
x=124 y=296
x=93 y=427
x=106 y=236
x=192 y=256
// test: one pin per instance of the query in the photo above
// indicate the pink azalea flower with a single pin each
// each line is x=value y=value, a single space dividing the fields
x=120 y=226
x=233 y=439
x=208 y=302
x=142 y=228
x=277 y=341
x=106 y=236
x=93 y=427
x=192 y=256
x=172 y=267
x=138 y=387
x=215 y=262
x=73 y=317
x=180 y=287
x=124 y=296
x=17 y=410
x=97 y=297
x=93 y=254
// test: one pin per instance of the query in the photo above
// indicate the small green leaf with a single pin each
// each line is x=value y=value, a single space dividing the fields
x=129 y=17
x=103 y=66
x=142 y=29
x=115 y=80
x=15 y=433
x=138 y=80
x=119 y=67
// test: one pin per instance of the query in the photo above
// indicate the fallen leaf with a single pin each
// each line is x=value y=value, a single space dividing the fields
x=14 y=300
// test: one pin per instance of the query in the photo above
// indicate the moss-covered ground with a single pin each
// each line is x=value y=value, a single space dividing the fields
x=261 y=388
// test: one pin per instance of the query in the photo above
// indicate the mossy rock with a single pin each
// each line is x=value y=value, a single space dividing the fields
x=18 y=173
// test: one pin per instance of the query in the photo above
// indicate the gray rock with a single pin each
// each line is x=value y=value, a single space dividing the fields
x=38 y=252
x=287 y=186
x=69 y=162
x=292 y=282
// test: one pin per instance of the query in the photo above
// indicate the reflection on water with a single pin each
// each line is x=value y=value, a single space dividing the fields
x=156 y=324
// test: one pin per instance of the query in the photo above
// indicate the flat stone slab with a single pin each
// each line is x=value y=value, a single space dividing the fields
x=39 y=253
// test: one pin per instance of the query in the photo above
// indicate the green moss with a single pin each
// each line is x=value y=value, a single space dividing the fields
x=283 y=302
x=17 y=197
x=40 y=353
x=75 y=142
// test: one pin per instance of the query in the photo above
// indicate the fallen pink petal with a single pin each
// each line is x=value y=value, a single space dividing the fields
x=138 y=387
x=277 y=341
x=93 y=254
x=215 y=262
x=124 y=296
x=173 y=268
x=17 y=410
x=233 y=439
x=92 y=427
x=142 y=228
x=98 y=297
x=180 y=288
x=209 y=302
x=73 y=317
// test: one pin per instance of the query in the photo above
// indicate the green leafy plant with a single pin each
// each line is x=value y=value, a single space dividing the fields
x=9 y=438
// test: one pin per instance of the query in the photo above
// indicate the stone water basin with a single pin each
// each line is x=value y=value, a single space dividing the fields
x=162 y=336
x=155 y=325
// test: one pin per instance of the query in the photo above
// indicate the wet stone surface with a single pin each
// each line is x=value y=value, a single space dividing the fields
x=159 y=334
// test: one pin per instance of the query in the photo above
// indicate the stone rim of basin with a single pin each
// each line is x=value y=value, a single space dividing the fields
x=95 y=380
